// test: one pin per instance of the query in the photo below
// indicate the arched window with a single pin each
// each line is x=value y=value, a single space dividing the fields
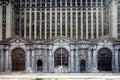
x=61 y=57
x=39 y=65
x=104 y=60
x=82 y=65
x=18 y=59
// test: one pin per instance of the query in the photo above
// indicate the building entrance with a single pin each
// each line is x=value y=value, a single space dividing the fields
x=18 y=60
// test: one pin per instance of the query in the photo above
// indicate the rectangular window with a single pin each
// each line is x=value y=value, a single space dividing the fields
x=79 y=25
x=68 y=3
x=79 y=2
x=58 y=3
x=27 y=24
x=32 y=25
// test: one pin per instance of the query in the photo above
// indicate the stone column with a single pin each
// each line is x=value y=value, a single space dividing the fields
x=28 y=68
x=6 y=59
x=116 y=61
x=94 y=67
x=72 y=63
x=89 y=61
x=2 y=60
x=33 y=60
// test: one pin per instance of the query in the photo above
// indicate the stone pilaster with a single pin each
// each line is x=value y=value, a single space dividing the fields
x=28 y=67
x=45 y=67
x=2 y=60
x=51 y=65
x=77 y=61
x=94 y=67
x=71 y=60
x=6 y=59
x=33 y=60
x=116 y=61
x=89 y=61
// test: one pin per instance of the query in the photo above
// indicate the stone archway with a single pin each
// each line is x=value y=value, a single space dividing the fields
x=61 y=56
x=18 y=59
x=104 y=60
x=39 y=65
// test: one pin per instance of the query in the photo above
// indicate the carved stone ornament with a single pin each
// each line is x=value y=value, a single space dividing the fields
x=4 y=2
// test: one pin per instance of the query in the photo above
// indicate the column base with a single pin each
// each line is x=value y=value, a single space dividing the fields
x=29 y=70
x=115 y=71
x=94 y=70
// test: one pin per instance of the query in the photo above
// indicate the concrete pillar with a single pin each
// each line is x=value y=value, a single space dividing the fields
x=50 y=23
x=9 y=21
x=97 y=21
x=1 y=22
x=35 y=22
x=45 y=24
x=116 y=61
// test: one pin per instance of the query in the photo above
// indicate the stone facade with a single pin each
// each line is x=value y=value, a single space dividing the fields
x=45 y=51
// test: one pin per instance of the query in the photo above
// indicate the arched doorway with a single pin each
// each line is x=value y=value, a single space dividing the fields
x=104 y=60
x=18 y=59
x=61 y=60
x=39 y=65
x=82 y=66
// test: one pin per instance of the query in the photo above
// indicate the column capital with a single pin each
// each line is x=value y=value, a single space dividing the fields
x=7 y=48
x=116 y=48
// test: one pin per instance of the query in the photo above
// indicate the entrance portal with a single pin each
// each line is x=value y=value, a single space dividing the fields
x=61 y=60
x=104 y=60
x=18 y=60
x=82 y=65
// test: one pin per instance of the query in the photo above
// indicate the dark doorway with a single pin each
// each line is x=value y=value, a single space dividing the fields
x=82 y=65
x=104 y=60
x=18 y=60
x=39 y=65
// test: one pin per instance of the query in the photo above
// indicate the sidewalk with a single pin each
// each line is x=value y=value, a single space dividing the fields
x=60 y=76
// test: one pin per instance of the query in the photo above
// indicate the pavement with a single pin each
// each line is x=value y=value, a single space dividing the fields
x=61 y=75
